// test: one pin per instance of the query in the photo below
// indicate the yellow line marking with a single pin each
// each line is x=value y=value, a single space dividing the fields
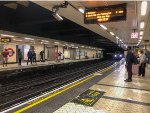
x=61 y=91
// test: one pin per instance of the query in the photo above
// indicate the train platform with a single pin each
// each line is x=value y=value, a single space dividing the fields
x=24 y=65
x=101 y=92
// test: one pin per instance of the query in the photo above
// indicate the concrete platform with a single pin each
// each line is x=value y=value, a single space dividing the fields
x=24 y=64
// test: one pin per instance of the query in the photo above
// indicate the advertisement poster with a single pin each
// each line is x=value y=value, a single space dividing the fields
x=26 y=49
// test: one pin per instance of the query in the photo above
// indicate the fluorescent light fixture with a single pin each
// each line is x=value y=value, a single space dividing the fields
x=19 y=40
x=56 y=42
x=141 y=32
x=82 y=46
x=57 y=16
x=117 y=37
x=81 y=10
x=141 y=37
x=112 y=33
x=104 y=27
x=142 y=25
x=7 y=35
x=120 y=40
x=29 y=38
x=139 y=40
x=44 y=41
x=143 y=8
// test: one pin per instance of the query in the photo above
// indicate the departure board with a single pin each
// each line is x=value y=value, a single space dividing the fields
x=105 y=14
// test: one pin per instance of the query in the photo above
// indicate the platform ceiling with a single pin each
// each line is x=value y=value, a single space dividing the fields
x=35 y=18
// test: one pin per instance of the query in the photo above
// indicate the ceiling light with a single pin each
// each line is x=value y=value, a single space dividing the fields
x=139 y=40
x=141 y=32
x=81 y=10
x=56 y=42
x=57 y=16
x=117 y=37
x=44 y=41
x=141 y=37
x=29 y=38
x=104 y=27
x=82 y=46
x=142 y=25
x=120 y=40
x=7 y=35
x=112 y=33
x=143 y=8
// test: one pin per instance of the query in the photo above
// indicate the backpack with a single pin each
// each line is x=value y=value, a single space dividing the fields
x=134 y=59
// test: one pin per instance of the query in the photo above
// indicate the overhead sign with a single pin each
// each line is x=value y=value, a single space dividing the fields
x=6 y=39
x=134 y=35
x=105 y=14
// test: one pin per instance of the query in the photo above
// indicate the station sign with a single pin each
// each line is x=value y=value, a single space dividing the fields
x=134 y=35
x=105 y=14
x=5 y=39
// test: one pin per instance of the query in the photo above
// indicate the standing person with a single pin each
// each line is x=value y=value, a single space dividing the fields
x=30 y=56
x=59 y=56
x=142 y=63
x=129 y=60
x=5 y=54
x=34 y=57
x=42 y=56
x=19 y=56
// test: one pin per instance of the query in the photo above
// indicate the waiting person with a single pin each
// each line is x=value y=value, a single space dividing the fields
x=59 y=56
x=5 y=54
x=142 y=63
x=34 y=57
x=19 y=56
x=42 y=56
x=129 y=60
x=30 y=56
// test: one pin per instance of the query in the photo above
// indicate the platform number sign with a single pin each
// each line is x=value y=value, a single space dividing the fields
x=134 y=35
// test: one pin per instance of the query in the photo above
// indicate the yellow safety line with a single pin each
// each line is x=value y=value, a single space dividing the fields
x=61 y=91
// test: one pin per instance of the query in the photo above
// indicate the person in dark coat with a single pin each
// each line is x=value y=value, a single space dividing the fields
x=30 y=56
x=34 y=57
x=19 y=57
x=42 y=56
x=129 y=61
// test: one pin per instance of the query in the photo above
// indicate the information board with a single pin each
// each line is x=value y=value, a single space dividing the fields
x=5 y=39
x=105 y=14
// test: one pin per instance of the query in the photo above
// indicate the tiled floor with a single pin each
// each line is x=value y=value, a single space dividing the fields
x=120 y=97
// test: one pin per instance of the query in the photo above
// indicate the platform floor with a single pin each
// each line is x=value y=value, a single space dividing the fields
x=120 y=96
x=24 y=64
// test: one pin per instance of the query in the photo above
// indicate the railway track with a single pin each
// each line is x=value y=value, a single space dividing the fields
x=19 y=91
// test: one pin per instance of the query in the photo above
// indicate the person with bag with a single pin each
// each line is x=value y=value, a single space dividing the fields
x=142 y=63
x=5 y=57
x=129 y=62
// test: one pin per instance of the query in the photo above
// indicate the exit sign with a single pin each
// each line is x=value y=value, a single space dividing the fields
x=134 y=35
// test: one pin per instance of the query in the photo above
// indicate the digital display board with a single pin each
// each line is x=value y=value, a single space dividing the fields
x=105 y=14
x=6 y=39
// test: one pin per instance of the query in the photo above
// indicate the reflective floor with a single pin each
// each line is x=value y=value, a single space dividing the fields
x=119 y=97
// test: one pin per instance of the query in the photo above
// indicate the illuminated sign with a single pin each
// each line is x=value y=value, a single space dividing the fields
x=6 y=39
x=105 y=14
x=134 y=35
